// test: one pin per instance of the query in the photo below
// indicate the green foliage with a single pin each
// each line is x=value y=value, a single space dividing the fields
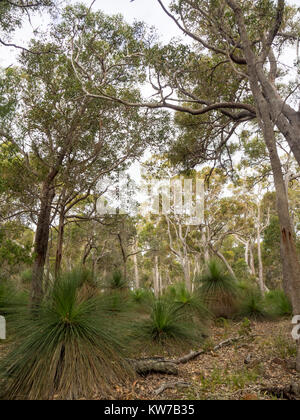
x=279 y=304
x=26 y=276
x=283 y=347
x=116 y=282
x=192 y=303
x=11 y=300
x=167 y=326
x=219 y=290
x=68 y=348
x=13 y=253
x=253 y=305
x=245 y=328
x=142 y=297
x=271 y=253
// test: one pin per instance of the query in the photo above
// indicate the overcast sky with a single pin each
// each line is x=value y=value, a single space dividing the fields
x=148 y=11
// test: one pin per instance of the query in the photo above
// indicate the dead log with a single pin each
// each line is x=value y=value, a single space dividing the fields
x=169 y=367
x=171 y=385
x=153 y=365
x=291 y=392
x=194 y=354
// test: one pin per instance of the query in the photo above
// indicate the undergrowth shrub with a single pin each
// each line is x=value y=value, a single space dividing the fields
x=69 y=348
x=219 y=290
x=167 y=326
x=253 y=305
x=278 y=304
x=191 y=302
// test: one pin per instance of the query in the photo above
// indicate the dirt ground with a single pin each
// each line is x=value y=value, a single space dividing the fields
x=265 y=358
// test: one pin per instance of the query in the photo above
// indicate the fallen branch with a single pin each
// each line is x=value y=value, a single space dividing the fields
x=291 y=393
x=169 y=367
x=194 y=354
x=153 y=365
x=171 y=385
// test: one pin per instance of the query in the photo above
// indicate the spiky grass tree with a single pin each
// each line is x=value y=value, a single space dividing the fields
x=253 y=305
x=116 y=282
x=141 y=299
x=190 y=302
x=279 y=304
x=219 y=290
x=167 y=327
x=69 y=349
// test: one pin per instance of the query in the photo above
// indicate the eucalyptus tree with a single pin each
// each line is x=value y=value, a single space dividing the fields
x=67 y=143
x=230 y=76
x=13 y=14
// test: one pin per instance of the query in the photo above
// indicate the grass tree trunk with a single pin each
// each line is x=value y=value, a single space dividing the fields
x=41 y=243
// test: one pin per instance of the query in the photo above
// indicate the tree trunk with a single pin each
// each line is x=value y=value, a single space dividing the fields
x=261 y=283
x=60 y=241
x=156 y=277
x=205 y=241
x=252 y=264
x=41 y=243
x=270 y=111
x=187 y=273
x=136 y=267
x=228 y=266
x=247 y=255
x=124 y=256
x=290 y=261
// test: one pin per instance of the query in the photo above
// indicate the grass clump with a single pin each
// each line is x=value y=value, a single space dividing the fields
x=253 y=305
x=11 y=299
x=192 y=303
x=116 y=282
x=141 y=299
x=279 y=304
x=219 y=290
x=68 y=349
x=167 y=326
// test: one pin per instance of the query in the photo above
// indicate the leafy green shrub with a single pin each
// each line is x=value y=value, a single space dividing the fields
x=219 y=290
x=167 y=326
x=278 y=303
x=68 y=348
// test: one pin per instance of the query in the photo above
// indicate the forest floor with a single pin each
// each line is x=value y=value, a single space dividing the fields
x=262 y=357
x=265 y=358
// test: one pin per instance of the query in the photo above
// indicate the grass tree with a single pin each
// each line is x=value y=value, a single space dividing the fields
x=219 y=290
x=167 y=326
x=69 y=348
